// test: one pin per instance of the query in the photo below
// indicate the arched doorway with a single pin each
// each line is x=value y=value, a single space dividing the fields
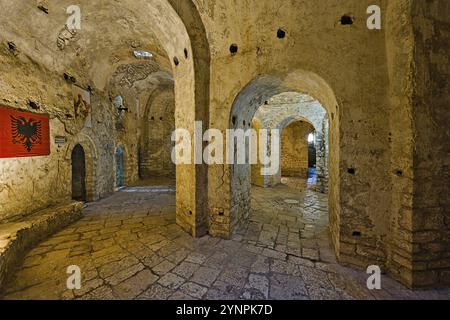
x=157 y=128
x=313 y=91
x=312 y=159
x=78 y=173
x=120 y=167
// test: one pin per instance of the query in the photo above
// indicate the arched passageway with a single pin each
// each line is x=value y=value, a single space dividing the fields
x=158 y=126
x=251 y=102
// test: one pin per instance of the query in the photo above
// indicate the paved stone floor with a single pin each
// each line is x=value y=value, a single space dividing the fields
x=129 y=247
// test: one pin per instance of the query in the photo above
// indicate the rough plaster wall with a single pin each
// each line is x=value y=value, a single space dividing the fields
x=88 y=54
x=351 y=60
x=30 y=184
x=294 y=149
x=417 y=42
x=156 y=143
x=399 y=48
x=431 y=114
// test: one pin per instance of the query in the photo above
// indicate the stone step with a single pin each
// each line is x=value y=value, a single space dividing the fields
x=20 y=235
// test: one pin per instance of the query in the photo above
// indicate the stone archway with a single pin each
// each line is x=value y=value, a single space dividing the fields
x=247 y=102
x=90 y=163
x=190 y=57
x=286 y=108
x=157 y=127
x=78 y=160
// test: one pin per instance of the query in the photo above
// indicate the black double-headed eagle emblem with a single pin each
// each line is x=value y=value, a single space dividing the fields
x=28 y=133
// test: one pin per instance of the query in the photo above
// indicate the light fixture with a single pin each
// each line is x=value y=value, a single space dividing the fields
x=311 y=138
x=118 y=103
x=143 y=54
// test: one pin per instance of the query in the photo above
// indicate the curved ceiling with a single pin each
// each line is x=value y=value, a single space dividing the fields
x=110 y=32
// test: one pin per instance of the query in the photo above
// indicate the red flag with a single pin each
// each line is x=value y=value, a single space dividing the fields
x=23 y=134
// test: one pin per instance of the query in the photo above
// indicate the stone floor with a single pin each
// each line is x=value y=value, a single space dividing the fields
x=129 y=247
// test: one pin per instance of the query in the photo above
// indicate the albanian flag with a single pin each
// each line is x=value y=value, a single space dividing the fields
x=23 y=134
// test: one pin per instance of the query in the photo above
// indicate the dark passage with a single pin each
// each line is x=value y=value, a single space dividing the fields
x=78 y=174
x=119 y=168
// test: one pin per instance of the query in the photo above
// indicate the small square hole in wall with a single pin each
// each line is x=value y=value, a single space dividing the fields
x=281 y=34
x=12 y=46
x=356 y=234
x=351 y=171
x=346 y=20
x=234 y=49
x=33 y=105
x=43 y=5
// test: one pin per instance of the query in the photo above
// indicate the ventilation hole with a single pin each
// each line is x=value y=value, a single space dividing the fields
x=221 y=213
x=356 y=234
x=233 y=49
x=33 y=105
x=190 y=213
x=160 y=118
x=43 y=8
x=186 y=53
x=346 y=20
x=69 y=78
x=12 y=46
x=266 y=102
x=399 y=173
x=244 y=123
x=152 y=118
x=233 y=120
x=351 y=170
x=281 y=34
x=176 y=61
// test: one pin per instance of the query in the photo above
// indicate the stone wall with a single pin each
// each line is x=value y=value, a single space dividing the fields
x=294 y=149
x=431 y=114
x=418 y=71
x=341 y=76
x=30 y=184
x=90 y=56
x=156 y=138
